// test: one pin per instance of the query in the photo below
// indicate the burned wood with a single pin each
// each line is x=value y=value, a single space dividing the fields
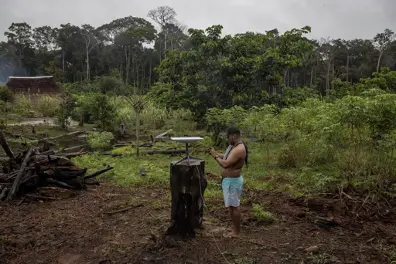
x=93 y=175
x=91 y=181
x=61 y=174
x=170 y=152
x=59 y=184
x=4 y=144
x=73 y=155
x=17 y=180
x=110 y=154
x=40 y=197
x=3 y=193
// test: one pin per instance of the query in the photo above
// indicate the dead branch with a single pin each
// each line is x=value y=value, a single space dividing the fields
x=4 y=144
x=93 y=175
x=40 y=197
x=17 y=180
x=124 y=209
x=75 y=133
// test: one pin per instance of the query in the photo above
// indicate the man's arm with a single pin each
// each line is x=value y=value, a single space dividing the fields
x=231 y=159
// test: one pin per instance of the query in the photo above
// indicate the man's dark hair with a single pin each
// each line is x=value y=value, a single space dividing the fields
x=235 y=131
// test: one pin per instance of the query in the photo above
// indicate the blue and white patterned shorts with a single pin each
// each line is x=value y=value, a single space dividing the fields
x=232 y=190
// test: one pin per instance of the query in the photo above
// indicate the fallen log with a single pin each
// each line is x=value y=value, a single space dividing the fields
x=4 y=144
x=59 y=184
x=60 y=174
x=17 y=180
x=75 y=133
x=93 y=175
x=170 y=151
x=40 y=197
x=91 y=181
x=73 y=155
x=110 y=154
x=73 y=149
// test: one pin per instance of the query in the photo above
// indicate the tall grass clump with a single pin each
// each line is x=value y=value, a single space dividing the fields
x=47 y=105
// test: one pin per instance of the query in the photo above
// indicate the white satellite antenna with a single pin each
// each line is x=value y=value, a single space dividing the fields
x=186 y=140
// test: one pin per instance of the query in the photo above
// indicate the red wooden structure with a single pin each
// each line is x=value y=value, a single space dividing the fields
x=33 y=85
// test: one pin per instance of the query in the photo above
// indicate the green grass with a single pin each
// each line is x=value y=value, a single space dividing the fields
x=262 y=216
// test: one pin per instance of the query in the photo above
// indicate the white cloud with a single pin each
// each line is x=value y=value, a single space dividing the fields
x=328 y=18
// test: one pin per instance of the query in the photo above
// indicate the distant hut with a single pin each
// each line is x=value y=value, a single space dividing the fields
x=33 y=85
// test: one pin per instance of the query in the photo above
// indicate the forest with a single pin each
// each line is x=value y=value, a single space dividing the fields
x=318 y=115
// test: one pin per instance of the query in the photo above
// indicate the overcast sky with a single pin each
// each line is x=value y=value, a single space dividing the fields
x=328 y=18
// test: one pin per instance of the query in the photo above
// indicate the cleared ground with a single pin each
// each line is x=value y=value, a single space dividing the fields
x=79 y=230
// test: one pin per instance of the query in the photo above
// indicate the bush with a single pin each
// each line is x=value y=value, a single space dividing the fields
x=5 y=94
x=23 y=106
x=103 y=111
x=100 y=140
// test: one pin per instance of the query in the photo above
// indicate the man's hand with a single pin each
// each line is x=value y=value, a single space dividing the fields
x=213 y=152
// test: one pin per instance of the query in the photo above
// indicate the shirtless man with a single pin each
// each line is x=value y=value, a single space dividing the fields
x=232 y=181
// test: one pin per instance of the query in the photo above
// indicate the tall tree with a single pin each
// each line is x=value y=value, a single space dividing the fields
x=382 y=42
x=91 y=41
x=164 y=16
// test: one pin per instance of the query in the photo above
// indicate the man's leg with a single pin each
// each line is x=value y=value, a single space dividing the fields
x=236 y=220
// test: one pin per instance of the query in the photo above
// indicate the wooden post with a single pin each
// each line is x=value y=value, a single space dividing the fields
x=188 y=183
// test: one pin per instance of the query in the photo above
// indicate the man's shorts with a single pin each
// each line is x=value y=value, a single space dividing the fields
x=232 y=190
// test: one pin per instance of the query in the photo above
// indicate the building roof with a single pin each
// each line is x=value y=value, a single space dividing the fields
x=37 y=84
x=35 y=77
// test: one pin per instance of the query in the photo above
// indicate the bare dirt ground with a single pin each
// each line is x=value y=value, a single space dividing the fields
x=80 y=230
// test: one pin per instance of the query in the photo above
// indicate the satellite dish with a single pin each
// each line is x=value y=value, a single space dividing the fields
x=186 y=139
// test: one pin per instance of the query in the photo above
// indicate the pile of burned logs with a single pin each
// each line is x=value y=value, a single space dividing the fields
x=26 y=173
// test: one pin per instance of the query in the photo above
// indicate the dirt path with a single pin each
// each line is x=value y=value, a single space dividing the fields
x=77 y=230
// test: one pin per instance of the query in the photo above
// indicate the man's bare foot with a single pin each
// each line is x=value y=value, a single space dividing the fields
x=230 y=235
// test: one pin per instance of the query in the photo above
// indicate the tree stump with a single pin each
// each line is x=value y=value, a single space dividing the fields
x=188 y=183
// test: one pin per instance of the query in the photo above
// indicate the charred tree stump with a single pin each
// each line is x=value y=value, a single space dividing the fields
x=4 y=144
x=188 y=183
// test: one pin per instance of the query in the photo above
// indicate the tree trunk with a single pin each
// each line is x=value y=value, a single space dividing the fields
x=137 y=132
x=379 y=60
x=6 y=147
x=328 y=76
x=285 y=76
x=150 y=73
x=127 y=63
x=347 y=69
x=312 y=73
x=88 y=78
x=333 y=75
x=165 y=43
x=63 y=60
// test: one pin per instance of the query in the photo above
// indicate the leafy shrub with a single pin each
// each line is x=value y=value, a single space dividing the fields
x=5 y=94
x=100 y=140
x=23 y=106
x=65 y=109
x=103 y=111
